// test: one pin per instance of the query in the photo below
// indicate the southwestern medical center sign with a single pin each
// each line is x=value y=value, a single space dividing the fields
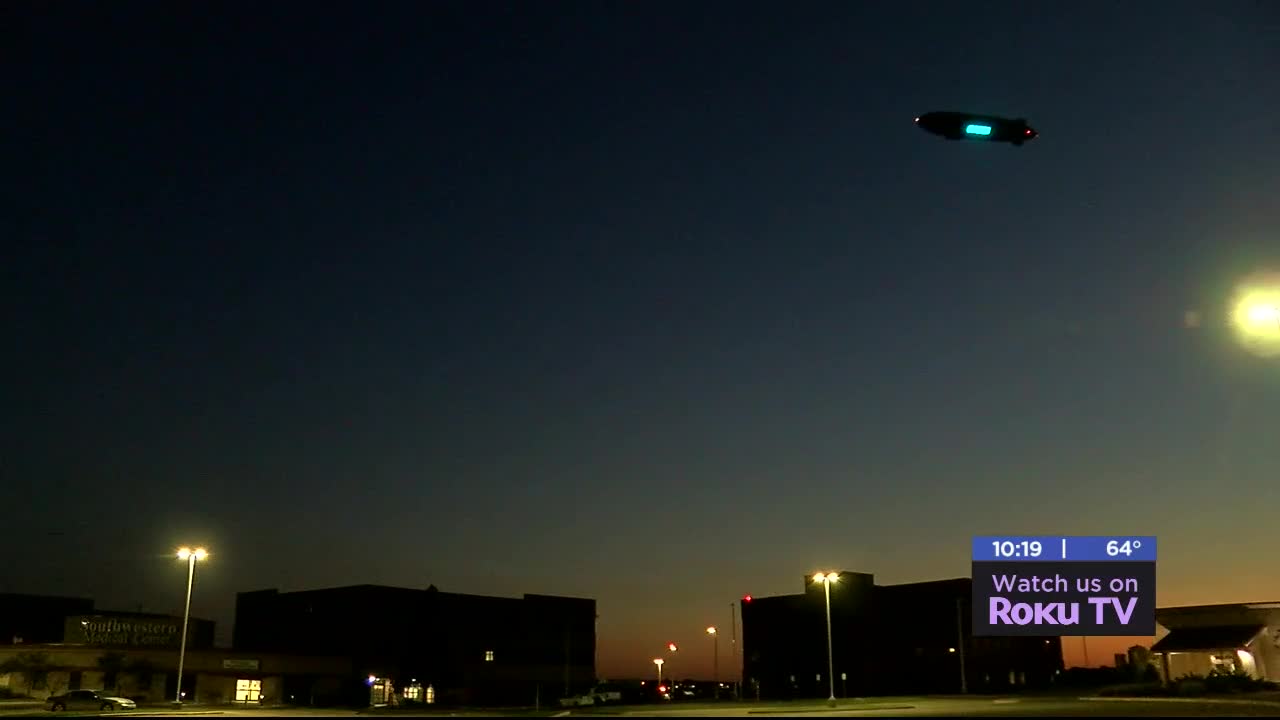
x=1056 y=585
x=136 y=631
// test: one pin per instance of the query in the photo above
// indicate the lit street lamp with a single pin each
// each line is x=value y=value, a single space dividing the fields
x=1256 y=314
x=671 y=647
x=826 y=579
x=191 y=556
x=715 y=658
x=658 y=662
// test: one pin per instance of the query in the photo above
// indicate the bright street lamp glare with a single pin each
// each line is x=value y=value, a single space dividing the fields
x=1264 y=314
x=711 y=631
x=658 y=661
x=184 y=553
x=1255 y=314
x=201 y=553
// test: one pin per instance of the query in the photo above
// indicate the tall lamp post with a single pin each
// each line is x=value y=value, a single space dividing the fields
x=191 y=556
x=658 y=662
x=671 y=673
x=964 y=675
x=715 y=658
x=826 y=579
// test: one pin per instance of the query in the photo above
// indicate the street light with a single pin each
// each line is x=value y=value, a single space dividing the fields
x=191 y=556
x=658 y=662
x=715 y=658
x=671 y=647
x=1256 y=314
x=826 y=579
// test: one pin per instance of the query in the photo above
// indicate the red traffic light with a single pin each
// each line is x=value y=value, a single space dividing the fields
x=746 y=598
x=662 y=688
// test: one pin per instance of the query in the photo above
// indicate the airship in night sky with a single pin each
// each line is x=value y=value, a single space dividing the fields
x=969 y=126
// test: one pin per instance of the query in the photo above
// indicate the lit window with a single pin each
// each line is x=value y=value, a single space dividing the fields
x=413 y=692
x=248 y=691
x=488 y=656
x=1223 y=663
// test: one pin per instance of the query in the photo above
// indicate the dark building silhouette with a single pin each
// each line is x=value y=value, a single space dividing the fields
x=886 y=639
x=465 y=648
x=46 y=619
x=37 y=619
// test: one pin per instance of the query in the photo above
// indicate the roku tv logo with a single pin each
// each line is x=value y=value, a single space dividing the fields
x=1056 y=597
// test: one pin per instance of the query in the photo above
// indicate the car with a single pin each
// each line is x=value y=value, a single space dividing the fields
x=95 y=700
x=578 y=701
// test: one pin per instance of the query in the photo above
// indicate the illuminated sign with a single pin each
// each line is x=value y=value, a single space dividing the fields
x=139 y=631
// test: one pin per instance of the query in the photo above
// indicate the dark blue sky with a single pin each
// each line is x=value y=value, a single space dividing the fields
x=658 y=303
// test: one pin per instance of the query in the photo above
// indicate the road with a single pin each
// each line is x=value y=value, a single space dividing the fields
x=881 y=707
x=966 y=707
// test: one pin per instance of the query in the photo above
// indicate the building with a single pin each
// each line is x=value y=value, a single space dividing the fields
x=1243 y=637
x=151 y=676
x=37 y=618
x=136 y=655
x=886 y=639
x=411 y=643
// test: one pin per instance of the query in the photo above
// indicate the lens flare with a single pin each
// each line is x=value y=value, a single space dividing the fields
x=1255 y=314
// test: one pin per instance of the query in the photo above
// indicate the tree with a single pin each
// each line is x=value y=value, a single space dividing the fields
x=111 y=664
x=33 y=666
x=141 y=670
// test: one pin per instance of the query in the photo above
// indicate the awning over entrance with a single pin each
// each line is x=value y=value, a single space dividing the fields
x=1205 y=639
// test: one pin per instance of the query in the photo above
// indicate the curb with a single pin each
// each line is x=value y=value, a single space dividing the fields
x=1201 y=700
x=172 y=712
x=837 y=708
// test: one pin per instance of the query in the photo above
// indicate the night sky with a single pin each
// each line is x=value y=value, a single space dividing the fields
x=657 y=303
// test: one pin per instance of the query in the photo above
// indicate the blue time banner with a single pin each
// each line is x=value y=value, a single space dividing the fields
x=1064 y=548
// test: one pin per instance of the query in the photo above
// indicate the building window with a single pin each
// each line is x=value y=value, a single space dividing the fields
x=248 y=691
x=1223 y=663
x=488 y=656
x=413 y=693
x=380 y=690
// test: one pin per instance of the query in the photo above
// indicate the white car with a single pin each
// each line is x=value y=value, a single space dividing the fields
x=605 y=694
x=578 y=701
x=92 y=700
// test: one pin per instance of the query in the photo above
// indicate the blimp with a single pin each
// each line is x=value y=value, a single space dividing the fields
x=970 y=126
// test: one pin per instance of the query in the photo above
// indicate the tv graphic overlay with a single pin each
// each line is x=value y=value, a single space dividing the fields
x=1064 y=585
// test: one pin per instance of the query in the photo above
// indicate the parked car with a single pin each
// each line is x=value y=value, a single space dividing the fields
x=94 y=700
x=607 y=693
x=578 y=700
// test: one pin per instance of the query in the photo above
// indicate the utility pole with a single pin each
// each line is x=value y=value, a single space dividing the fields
x=568 y=649
x=964 y=676
x=733 y=650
